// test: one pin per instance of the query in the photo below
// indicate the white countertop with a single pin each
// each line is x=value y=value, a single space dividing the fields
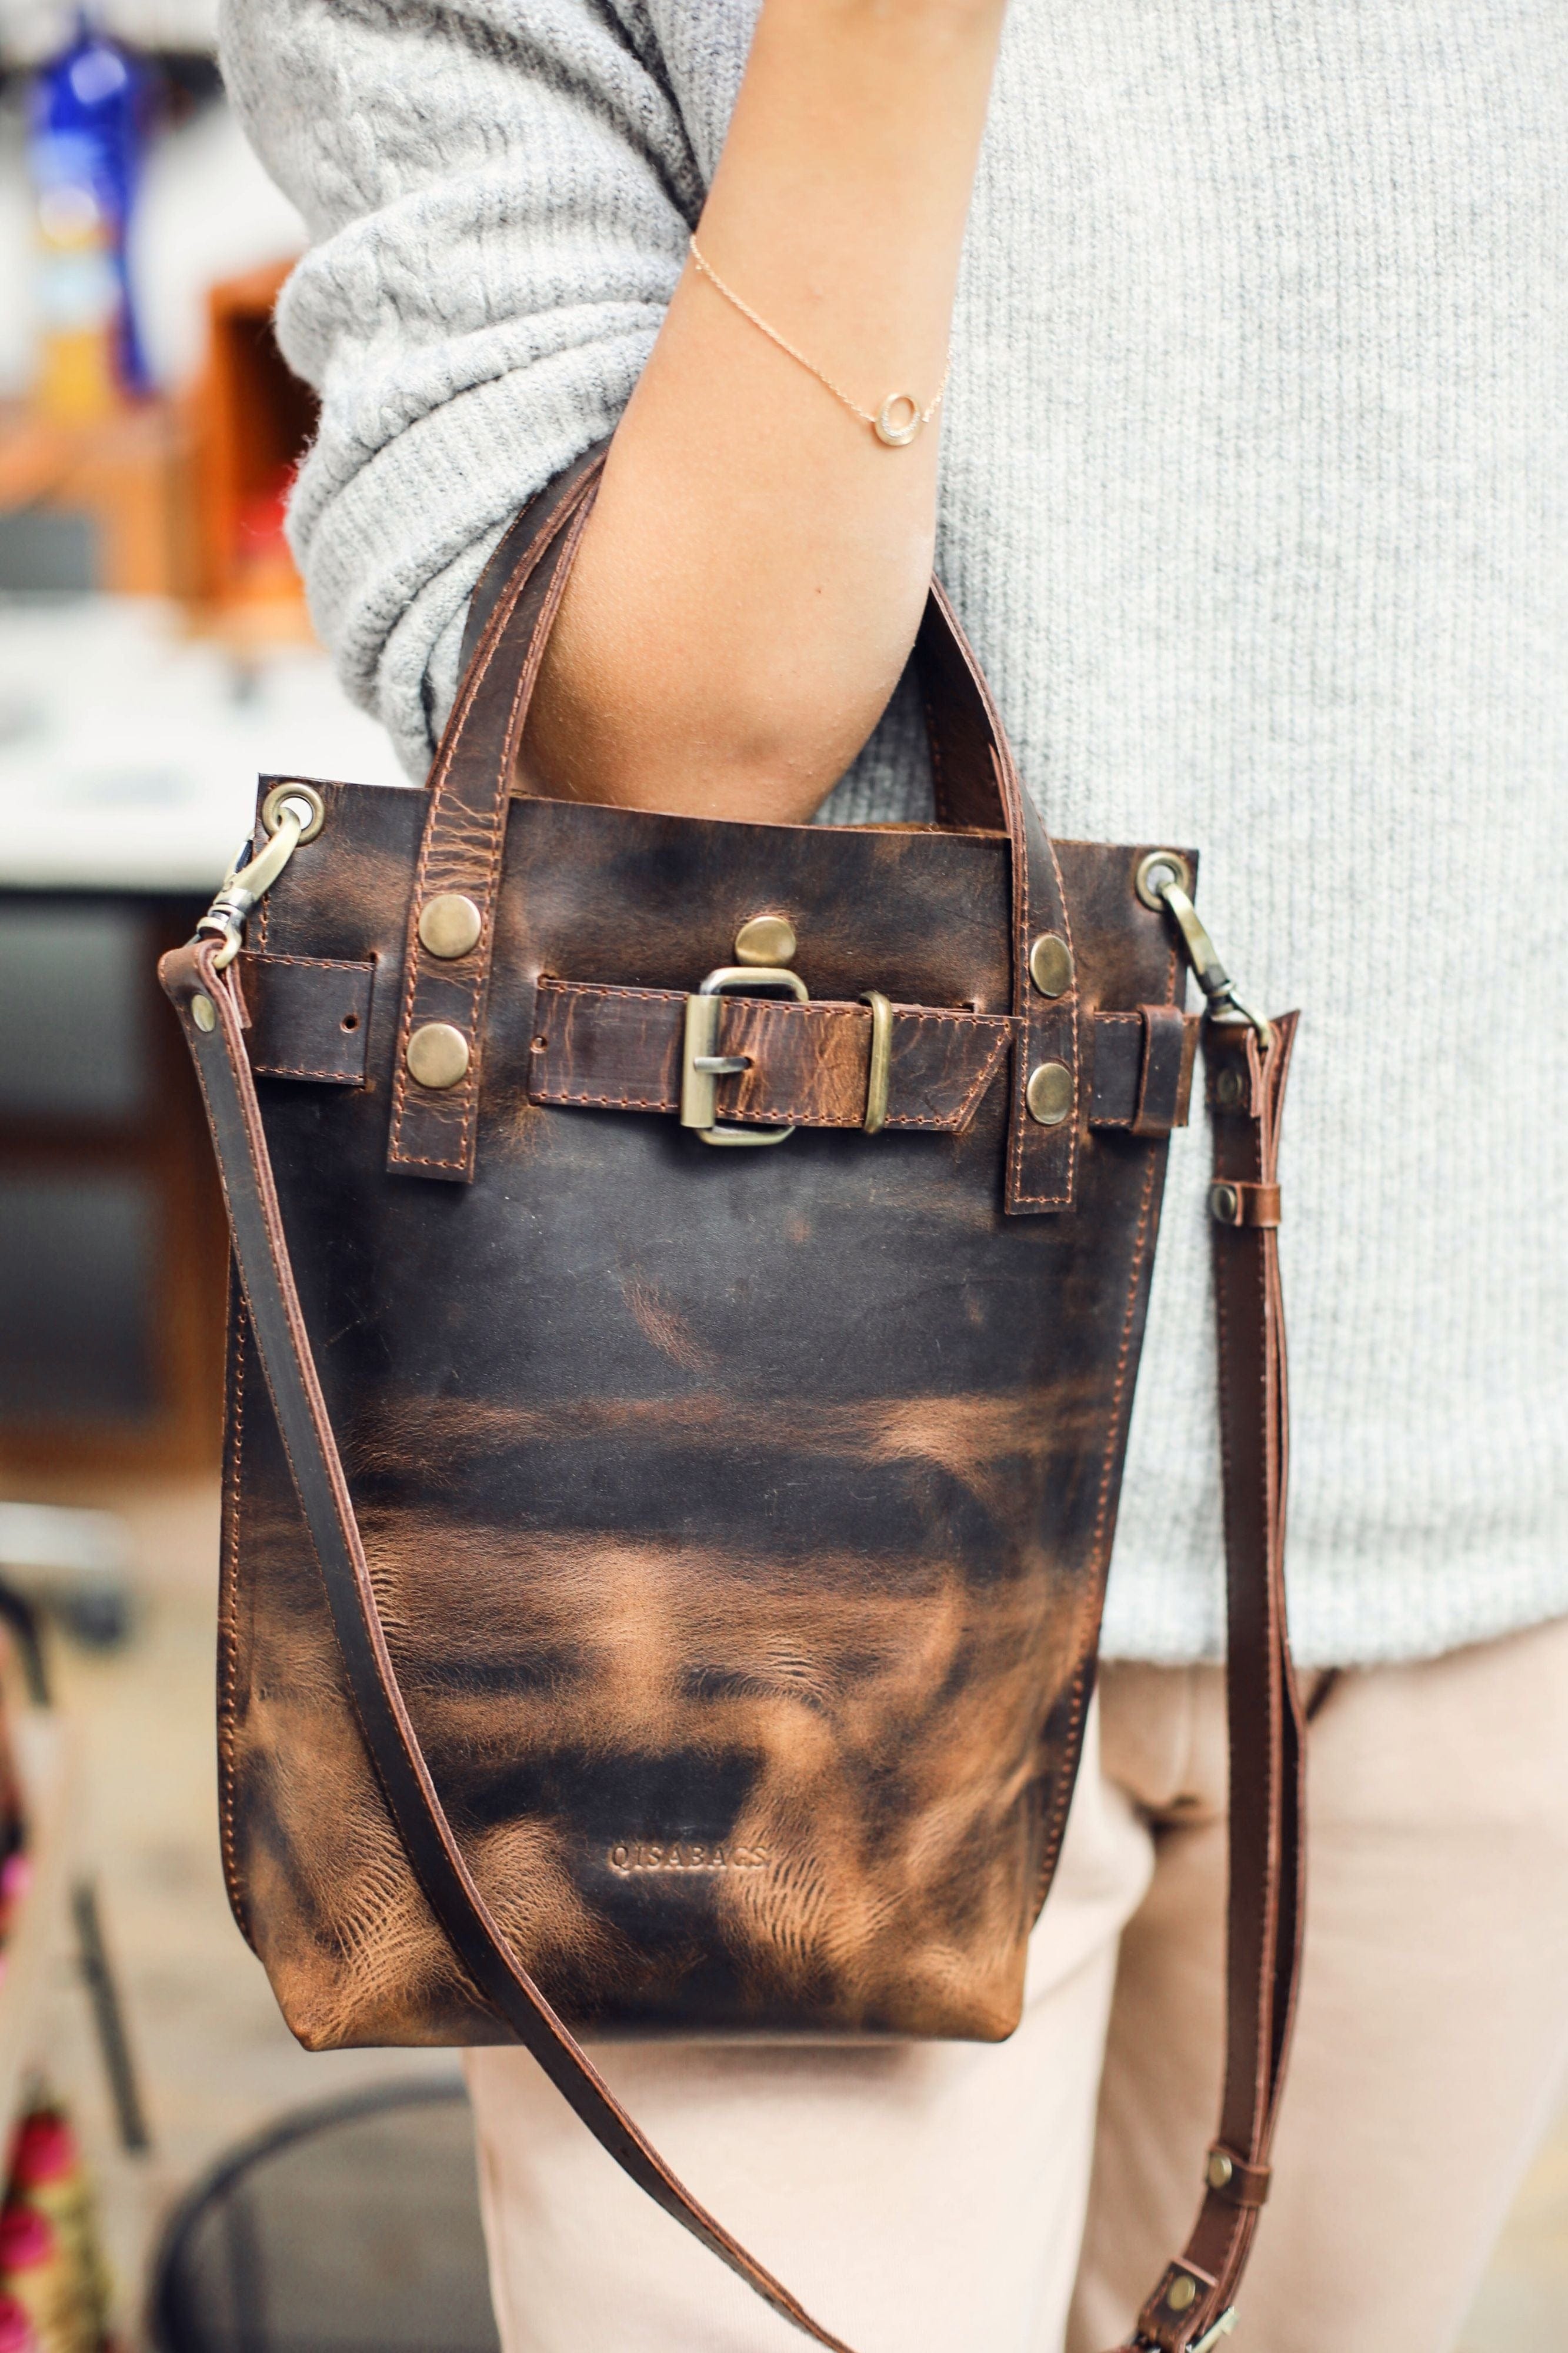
x=129 y=751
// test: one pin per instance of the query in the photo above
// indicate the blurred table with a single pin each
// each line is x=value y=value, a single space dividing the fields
x=129 y=749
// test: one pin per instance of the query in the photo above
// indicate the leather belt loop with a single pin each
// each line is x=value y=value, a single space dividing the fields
x=1234 y=1202
x=1230 y=2177
x=1165 y=1073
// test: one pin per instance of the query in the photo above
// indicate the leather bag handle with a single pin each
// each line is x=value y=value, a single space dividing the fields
x=435 y=1129
x=1192 y=2303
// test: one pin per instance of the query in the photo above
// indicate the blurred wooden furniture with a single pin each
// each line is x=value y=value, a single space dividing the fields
x=112 y=1253
x=252 y=420
x=180 y=498
x=130 y=478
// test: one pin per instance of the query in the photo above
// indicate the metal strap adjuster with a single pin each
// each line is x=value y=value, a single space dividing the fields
x=701 y=1067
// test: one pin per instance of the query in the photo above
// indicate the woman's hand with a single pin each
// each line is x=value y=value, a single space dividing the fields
x=752 y=579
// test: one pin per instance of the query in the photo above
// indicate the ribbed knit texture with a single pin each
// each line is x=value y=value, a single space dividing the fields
x=1254 y=501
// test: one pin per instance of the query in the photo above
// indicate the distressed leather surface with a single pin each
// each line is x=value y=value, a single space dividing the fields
x=740 y=1525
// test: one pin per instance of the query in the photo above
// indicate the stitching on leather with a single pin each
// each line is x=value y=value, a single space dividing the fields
x=966 y=1108
x=310 y=963
x=228 y=1627
x=1102 y=1512
x=1051 y=1844
x=484 y=949
x=295 y=1070
x=506 y=606
x=998 y=1026
x=1010 y=788
x=605 y=1103
x=603 y=988
x=423 y=1160
x=831 y=1009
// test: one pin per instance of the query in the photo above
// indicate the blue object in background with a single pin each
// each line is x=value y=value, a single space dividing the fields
x=84 y=149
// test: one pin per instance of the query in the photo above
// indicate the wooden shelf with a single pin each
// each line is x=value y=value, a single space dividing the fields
x=130 y=474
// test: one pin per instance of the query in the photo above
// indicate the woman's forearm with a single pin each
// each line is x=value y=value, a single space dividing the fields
x=753 y=576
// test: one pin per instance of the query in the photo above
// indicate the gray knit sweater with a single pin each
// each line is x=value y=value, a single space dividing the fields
x=1254 y=501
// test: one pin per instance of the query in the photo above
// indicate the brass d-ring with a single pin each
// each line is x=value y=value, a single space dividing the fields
x=875 y=1117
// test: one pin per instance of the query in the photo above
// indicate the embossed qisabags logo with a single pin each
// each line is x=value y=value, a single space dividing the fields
x=629 y=1855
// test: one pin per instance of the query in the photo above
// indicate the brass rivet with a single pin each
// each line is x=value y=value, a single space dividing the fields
x=449 y=924
x=1224 y=1203
x=1182 y=2293
x=438 y=1055
x=1228 y=1089
x=766 y=939
x=1049 y=1093
x=204 y=1013
x=1221 y=2171
x=1050 y=964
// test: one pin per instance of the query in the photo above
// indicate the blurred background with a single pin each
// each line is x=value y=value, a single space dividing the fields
x=180 y=2174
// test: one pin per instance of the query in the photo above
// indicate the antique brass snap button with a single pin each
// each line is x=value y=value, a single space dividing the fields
x=766 y=939
x=1228 y=1089
x=1050 y=964
x=1221 y=2170
x=438 y=1055
x=449 y=924
x=1049 y=1093
x=1224 y=1205
x=204 y=1013
x=1182 y=2293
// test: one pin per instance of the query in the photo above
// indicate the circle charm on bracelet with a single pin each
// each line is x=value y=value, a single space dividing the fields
x=897 y=431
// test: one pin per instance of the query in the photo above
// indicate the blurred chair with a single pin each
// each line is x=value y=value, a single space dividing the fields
x=350 y=2227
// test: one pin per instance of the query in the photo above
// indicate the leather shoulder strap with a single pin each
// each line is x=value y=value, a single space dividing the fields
x=1195 y=2296
x=1247 y=1090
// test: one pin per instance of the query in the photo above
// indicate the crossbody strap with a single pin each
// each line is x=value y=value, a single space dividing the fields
x=1194 y=2304
x=1265 y=1725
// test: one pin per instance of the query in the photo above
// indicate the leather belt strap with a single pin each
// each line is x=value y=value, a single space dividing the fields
x=613 y=1049
x=1265 y=1715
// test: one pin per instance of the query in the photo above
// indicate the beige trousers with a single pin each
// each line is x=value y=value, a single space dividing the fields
x=927 y=2197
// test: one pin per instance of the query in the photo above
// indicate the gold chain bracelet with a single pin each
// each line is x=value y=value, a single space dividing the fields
x=900 y=417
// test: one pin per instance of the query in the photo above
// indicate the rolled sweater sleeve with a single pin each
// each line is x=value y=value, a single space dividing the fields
x=498 y=195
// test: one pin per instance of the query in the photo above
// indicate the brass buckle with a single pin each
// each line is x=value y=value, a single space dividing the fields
x=701 y=1068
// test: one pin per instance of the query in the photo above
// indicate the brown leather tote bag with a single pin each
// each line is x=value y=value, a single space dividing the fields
x=690 y=1285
